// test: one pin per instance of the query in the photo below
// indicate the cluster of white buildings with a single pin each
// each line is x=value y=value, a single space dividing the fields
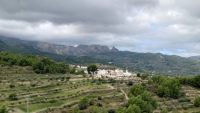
x=113 y=73
x=109 y=72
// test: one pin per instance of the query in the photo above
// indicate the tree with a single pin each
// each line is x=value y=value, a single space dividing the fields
x=145 y=106
x=24 y=62
x=138 y=75
x=142 y=99
x=167 y=87
x=193 y=81
x=146 y=96
x=39 y=68
x=92 y=69
x=197 y=101
x=196 y=81
x=136 y=90
x=133 y=109
x=121 y=110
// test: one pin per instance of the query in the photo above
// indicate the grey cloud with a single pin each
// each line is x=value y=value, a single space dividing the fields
x=61 y=11
x=168 y=26
x=71 y=11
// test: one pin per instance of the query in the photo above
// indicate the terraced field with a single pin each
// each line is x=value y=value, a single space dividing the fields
x=41 y=92
x=22 y=91
x=181 y=105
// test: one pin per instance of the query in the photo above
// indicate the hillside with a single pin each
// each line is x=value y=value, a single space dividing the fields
x=195 y=58
x=85 y=54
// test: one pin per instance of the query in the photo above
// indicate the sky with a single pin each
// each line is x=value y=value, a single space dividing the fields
x=166 y=26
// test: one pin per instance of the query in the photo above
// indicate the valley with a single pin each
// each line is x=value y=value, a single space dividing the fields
x=23 y=91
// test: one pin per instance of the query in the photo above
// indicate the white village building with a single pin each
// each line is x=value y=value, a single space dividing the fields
x=113 y=73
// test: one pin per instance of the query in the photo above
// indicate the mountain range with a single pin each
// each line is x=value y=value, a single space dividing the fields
x=86 y=54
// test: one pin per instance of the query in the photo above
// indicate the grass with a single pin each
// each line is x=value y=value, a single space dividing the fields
x=35 y=107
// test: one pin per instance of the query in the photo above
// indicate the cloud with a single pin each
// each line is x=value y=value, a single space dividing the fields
x=167 y=26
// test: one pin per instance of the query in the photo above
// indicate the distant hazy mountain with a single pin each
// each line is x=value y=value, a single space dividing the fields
x=84 y=54
x=72 y=50
x=196 y=58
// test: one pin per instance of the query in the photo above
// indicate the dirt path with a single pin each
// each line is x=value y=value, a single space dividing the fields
x=126 y=97
x=110 y=86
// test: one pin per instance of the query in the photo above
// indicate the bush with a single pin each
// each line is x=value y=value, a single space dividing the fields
x=130 y=83
x=91 y=102
x=84 y=103
x=184 y=99
x=13 y=97
x=197 y=101
x=11 y=85
x=3 y=109
x=193 y=81
x=95 y=109
x=164 y=110
x=99 y=98
x=111 y=111
x=75 y=110
x=52 y=101
x=99 y=104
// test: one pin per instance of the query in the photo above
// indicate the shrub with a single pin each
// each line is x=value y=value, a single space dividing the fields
x=164 y=110
x=52 y=101
x=75 y=110
x=111 y=111
x=130 y=83
x=84 y=103
x=95 y=109
x=197 y=101
x=3 y=109
x=11 y=85
x=99 y=98
x=99 y=104
x=91 y=102
x=13 y=97
x=184 y=99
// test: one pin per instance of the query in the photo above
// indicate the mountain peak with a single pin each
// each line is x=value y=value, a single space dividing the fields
x=114 y=49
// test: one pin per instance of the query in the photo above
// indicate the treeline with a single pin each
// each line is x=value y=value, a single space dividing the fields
x=193 y=81
x=48 y=66
x=40 y=65
x=10 y=59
